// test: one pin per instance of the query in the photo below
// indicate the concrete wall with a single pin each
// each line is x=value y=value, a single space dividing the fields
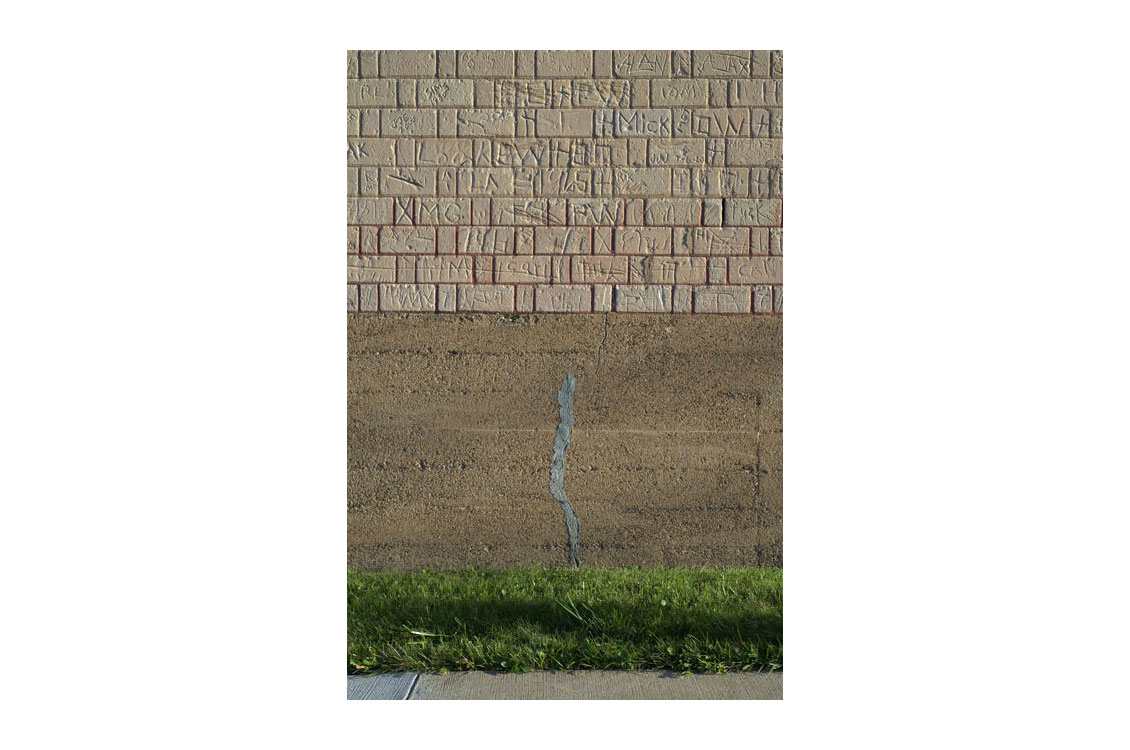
x=491 y=193
x=675 y=459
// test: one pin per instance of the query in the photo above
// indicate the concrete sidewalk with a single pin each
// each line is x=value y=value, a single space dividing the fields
x=577 y=685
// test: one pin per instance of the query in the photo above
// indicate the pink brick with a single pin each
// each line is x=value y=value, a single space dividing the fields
x=486 y=298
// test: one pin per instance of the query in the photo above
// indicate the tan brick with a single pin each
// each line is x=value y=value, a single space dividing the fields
x=680 y=92
x=563 y=240
x=762 y=62
x=408 y=297
x=523 y=269
x=559 y=268
x=446 y=125
x=635 y=123
x=525 y=63
x=402 y=240
x=563 y=63
x=445 y=297
x=445 y=240
x=722 y=63
x=716 y=269
x=353 y=69
x=755 y=92
x=486 y=182
x=778 y=299
x=372 y=269
x=480 y=211
x=633 y=182
x=633 y=298
x=712 y=212
x=766 y=269
x=486 y=298
x=711 y=182
x=406 y=93
x=524 y=298
x=598 y=211
x=439 y=152
x=370 y=211
x=406 y=181
x=721 y=299
x=485 y=122
x=491 y=63
x=665 y=269
x=353 y=122
x=606 y=269
x=637 y=152
x=681 y=65
x=368 y=294
x=730 y=122
x=751 y=212
x=602 y=93
x=561 y=96
x=484 y=93
x=776 y=238
x=353 y=183
x=403 y=122
x=712 y=241
x=642 y=240
x=676 y=152
x=602 y=298
x=634 y=213
x=519 y=211
x=403 y=210
x=372 y=92
x=352 y=296
x=674 y=211
x=521 y=93
x=445 y=63
x=573 y=122
x=444 y=269
x=681 y=299
x=369 y=242
x=602 y=240
x=406 y=269
x=646 y=63
x=753 y=152
x=762 y=299
x=443 y=211
x=563 y=298
x=369 y=67
x=371 y=152
x=485 y=240
x=641 y=94
x=353 y=240
x=408 y=63
x=602 y=63
x=777 y=63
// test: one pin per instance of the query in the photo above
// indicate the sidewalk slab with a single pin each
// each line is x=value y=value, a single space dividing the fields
x=381 y=687
x=599 y=685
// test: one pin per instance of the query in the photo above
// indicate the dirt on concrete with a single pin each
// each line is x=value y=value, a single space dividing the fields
x=675 y=458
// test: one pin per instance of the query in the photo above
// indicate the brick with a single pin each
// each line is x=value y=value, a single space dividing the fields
x=651 y=299
x=369 y=241
x=439 y=152
x=635 y=123
x=575 y=122
x=372 y=269
x=561 y=95
x=485 y=63
x=406 y=93
x=563 y=240
x=353 y=123
x=445 y=63
x=404 y=122
x=524 y=298
x=602 y=240
x=480 y=211
x=602 y=63
x=353 y=183
x=408 y=297
x=728 y=122
x=485 y=240
x=401 y=240
x=445 y=240
x=514 y=93
x=666 y=269
x=485 y=182
x=646 y=63
x=406 y=181
x=353 y=69
x=445 y=297
x=563 y=298
x=602 y=298
x=751 y=212
x=711 y=182
x=716 y=269
x=456 y=211
x=374 y=152
x=353 y=240
x=403 y=211
x=444 y=269
x=408 y=63
x=680 y=92
x=372 y=92
x=765 y=269
x=775 y=242
x=712 y=212
x=595 y=211
x=523 y=269
x=486 y=298
x=642 y=240
x=755 y=92
x=519 y=211
x=368 y=61
x=641 y=94
x=633 y=182
x=676 y=152
x=564 y=63
x=681 y=65
x=763 y=299
x=370 y=211
x=777 y=63
x=444 y=93
x=753 y=152
x=681 y=299
x=778 y=300
x=722 y=299
x=606 y=269
x=602 y=93
x=722 y=63
x=405 y=269
x=524 y=63
x=718 y=92
x=485 y=122
x=352 y=296
x=368 y=297
x=666 y=212
x=712 y=241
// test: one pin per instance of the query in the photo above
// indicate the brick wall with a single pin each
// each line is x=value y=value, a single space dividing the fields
x=565 y=181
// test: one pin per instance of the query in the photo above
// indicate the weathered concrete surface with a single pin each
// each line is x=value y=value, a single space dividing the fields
x=675 y=459
x=381 y=687
x=594 y=685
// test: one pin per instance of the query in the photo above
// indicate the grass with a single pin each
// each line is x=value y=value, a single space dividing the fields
x=521 y=619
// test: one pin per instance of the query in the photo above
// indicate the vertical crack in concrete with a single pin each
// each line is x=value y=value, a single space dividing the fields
x=561 y=441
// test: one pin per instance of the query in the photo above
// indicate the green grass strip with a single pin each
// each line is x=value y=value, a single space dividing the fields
x=521 y=619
